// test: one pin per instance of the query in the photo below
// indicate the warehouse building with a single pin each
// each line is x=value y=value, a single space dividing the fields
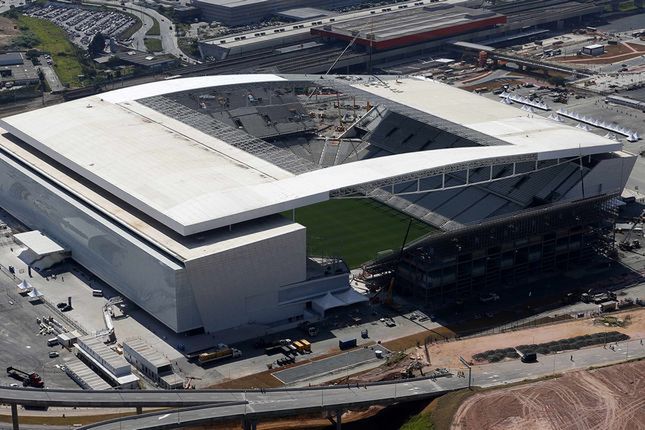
x=409 y=26
x=151 y=363
x=105 y=362
x=242 y=12
x=174 y=192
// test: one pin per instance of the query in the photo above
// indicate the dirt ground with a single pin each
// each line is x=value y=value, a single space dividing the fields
x=613 y=54
x=444 y=354
x=8 y=30
x=607 y=398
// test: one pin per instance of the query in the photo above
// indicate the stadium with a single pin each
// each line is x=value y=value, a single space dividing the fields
x=242 y=201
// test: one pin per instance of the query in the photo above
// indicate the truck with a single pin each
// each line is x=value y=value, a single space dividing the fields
x=220 y=354
x=608 y=306
x=27 y=379
x=299 y=346
x=603 y=297
x=527 y=356
x=306 y=346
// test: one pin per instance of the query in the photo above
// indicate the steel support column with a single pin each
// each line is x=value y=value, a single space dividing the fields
x=14 y=416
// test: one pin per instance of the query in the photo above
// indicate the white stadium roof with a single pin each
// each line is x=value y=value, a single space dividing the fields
x=192 y=182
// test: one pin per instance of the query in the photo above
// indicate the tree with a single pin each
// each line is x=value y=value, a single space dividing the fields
x=97 y=45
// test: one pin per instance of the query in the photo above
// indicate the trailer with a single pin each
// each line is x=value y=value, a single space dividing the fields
x=27 y=379
x=608 y=306
x=306 y=345
x=220 y=354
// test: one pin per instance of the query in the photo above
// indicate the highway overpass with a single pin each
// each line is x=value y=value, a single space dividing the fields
x=201 y=406
x=262 y=405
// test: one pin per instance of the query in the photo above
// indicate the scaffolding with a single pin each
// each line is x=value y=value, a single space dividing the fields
x=503 y=252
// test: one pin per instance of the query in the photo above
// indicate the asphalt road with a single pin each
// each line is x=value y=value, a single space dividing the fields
x=50 y=76
x=166 y=28
x=257 y=405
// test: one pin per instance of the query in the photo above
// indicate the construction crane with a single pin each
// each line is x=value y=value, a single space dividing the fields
x=389 y=301
x=625 y=244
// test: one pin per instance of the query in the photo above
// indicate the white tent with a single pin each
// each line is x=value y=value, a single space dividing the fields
x=350 y=296
x=336 y=300
x=326 y=302
x=24 y=285
x=34 y=293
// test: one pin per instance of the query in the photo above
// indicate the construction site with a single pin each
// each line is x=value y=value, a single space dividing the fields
x=319 y=230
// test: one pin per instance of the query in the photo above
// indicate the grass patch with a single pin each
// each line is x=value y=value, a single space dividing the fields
x=418 y=422
x=153 y=45
x=442 y=409
x=49 y=420
x=439 y=413
x=53 y=40
x=133 y=29
x=355 y=229
x=154 y=30
x=189 y=46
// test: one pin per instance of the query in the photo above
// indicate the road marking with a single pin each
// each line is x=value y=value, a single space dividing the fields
x=164 y=416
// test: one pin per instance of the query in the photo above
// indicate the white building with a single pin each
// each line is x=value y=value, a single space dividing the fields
x=179 y=212
x=596 y=49
x=151 y=363
x=111 y=366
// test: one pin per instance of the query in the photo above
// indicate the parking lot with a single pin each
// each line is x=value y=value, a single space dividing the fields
x=21 y=345
x=330 y=366
x=81 y=25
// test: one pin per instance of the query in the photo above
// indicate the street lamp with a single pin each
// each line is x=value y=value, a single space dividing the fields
x=465 y=363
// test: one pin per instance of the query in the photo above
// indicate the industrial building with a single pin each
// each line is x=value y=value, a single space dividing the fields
x=151 y=363
x=409 y=26
x=172 y=192
x=106 y=363
x=399 y=30
x=16 y=69
x=242 y=12
x=595 y=49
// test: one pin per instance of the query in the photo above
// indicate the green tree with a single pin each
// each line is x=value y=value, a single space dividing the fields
x=97 y=45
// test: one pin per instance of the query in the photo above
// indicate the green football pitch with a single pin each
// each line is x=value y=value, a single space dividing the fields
x=355 y=229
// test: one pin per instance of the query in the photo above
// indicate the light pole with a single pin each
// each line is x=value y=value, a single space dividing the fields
x=465 y=363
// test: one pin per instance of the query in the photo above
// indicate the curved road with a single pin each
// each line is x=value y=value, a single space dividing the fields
x=257 y=405
x=213 y=405
x=188 y=398
x=167 y=35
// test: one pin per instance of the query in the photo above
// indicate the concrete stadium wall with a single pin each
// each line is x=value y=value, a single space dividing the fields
x=240 y=286
x=136 y=270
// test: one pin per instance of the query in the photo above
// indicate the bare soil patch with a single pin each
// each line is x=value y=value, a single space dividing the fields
x=445 y=354
x=607 y=398
x=613 y=54
x=8 y=30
